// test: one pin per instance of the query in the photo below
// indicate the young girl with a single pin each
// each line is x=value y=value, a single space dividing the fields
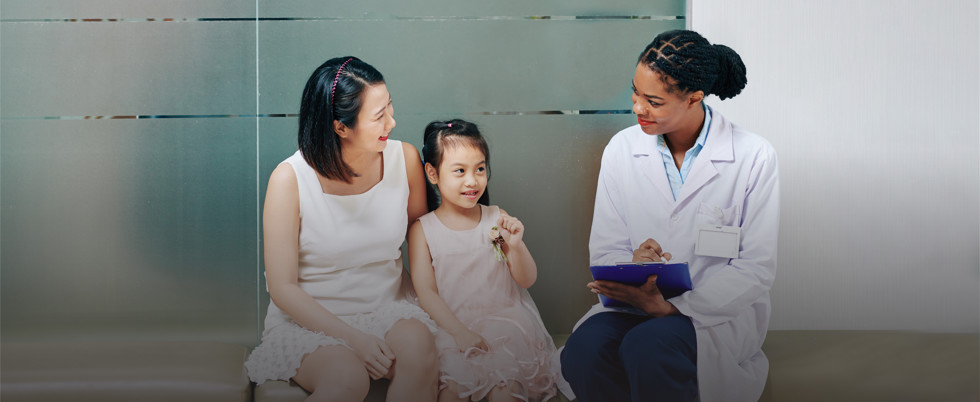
x=471 y=268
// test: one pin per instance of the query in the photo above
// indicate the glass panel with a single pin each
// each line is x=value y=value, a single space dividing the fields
x=99 y=9
x=144 y=68
x=395 y=8
x=129 y=229
x=463 y=66
x=544 y=170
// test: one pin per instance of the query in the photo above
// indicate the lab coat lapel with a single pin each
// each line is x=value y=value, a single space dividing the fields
x=718 y=148
x=648 y=159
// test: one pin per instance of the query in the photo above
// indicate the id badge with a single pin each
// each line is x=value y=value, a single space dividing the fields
x=718 y=241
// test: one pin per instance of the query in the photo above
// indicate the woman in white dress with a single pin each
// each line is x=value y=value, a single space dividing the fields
x=336 y=213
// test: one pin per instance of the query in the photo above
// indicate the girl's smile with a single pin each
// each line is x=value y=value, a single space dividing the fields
x=461 y=177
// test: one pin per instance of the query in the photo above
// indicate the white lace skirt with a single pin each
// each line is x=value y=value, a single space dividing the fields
x=284 y=346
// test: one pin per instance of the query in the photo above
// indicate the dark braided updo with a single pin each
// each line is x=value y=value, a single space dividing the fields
x=688 y=62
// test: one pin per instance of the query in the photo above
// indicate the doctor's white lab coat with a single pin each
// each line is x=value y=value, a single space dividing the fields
x=734 y=182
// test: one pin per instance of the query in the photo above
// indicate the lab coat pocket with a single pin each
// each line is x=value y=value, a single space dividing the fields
x=711 y=214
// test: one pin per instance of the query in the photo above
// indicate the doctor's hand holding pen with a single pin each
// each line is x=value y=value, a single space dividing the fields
x=650 y=251
x=646 y=297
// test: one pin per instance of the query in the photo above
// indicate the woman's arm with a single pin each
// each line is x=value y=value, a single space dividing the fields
x=280 y=220
x=522 y=266
x=424 y=280
x=416 y=183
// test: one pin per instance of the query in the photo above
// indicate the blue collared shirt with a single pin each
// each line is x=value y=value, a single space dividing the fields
x=678 y=177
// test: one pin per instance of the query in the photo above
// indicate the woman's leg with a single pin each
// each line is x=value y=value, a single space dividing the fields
x=591 y=359
x=451 y=393
x=415 y=372
x=333 y=373
x=660 y=359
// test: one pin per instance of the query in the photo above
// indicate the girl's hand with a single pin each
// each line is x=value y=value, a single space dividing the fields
x=375 y=355
x=511 y=229
x=467 y=339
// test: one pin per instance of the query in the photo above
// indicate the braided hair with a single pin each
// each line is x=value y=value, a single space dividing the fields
x=332 y=93
x=688 y=62
x=440 y=135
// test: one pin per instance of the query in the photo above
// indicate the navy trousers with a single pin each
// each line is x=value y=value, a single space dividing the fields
x=618 y=357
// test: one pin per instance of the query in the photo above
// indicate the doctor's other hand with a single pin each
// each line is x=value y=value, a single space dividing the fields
x=646 y=297
x=650 y=251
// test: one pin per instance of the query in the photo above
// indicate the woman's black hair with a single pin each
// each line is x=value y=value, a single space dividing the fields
x=451 y=133
x=331 y=95
x=688 y=62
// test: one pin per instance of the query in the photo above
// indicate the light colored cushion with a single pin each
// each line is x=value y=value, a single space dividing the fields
x=123 y=371
x=871 y=366
x=282 y=391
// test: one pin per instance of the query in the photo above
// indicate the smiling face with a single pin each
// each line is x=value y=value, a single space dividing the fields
x=462 y=175
x=658 y=110
x=374 y=121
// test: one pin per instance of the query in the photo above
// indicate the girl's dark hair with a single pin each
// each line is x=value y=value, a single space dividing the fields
x=330 y=96
x=440 y=135
x=688 y=62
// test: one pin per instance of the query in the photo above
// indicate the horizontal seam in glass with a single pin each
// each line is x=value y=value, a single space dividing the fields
x=265 y=115
x=351 y=19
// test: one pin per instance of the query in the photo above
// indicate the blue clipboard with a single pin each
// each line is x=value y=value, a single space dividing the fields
x=672 y=279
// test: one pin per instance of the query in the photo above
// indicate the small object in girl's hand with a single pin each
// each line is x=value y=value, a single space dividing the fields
x=496 y=240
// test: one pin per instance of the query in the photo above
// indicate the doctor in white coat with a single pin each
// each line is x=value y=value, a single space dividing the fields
x=684 y=170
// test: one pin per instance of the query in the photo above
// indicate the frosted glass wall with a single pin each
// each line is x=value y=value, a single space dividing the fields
x=136 y=139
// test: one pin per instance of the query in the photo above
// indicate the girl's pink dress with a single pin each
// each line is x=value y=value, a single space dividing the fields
x=482 y=293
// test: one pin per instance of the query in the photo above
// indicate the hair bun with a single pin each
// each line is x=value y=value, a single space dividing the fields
x=731 y=73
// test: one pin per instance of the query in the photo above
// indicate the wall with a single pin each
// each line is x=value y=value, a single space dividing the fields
x=137 y=138
x=872 y=107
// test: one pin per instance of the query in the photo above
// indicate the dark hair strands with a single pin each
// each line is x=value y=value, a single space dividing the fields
x=440 y=135
x=688 y=62
x=325 y=101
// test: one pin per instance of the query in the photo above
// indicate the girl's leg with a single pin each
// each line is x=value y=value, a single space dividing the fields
x=505 y=394
x=415 y=373
x=333 y=373
x=451 y=393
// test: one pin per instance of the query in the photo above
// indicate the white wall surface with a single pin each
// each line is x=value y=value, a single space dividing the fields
x=873 y=108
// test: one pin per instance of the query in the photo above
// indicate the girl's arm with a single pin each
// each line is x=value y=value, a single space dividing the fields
x=424 y=280
x=522 y=266
x=280 y=220
x=417 y=205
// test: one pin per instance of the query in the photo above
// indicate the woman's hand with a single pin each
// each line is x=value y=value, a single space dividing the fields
x=650 y=251
x=374 y=353
x=646 y=297
x=467 y=339
x=511 y=229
